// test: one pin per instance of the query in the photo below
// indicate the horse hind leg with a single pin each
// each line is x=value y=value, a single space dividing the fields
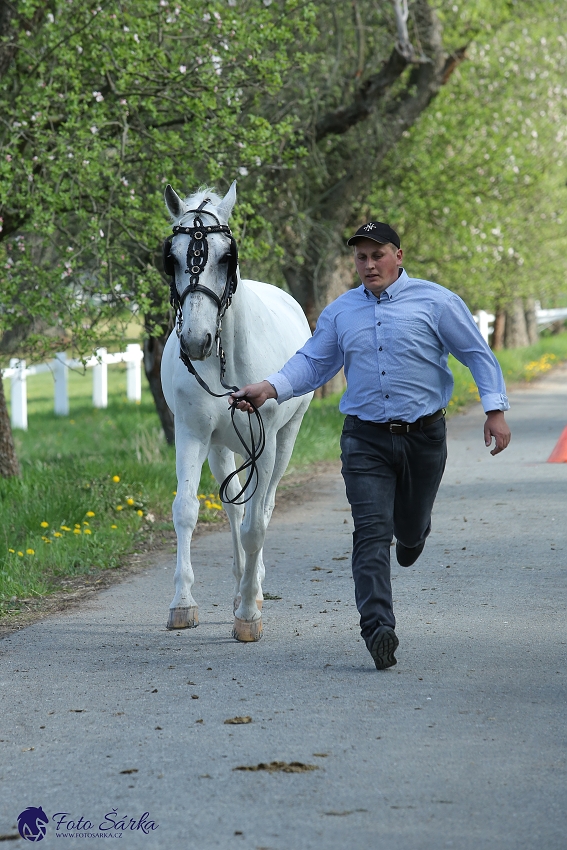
x=285 y=441
x=221 y=461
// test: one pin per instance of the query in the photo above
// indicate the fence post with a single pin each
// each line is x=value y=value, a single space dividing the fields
x=19 y=396
x=100 y=380
x=134 y=372
x=483 y=324
x=61 y=406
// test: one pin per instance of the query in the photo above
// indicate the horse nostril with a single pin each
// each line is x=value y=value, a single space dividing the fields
x=208 y=342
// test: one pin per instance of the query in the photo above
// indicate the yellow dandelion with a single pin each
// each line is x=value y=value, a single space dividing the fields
x=129 y=501
x=116 y=478
x=21 y=554
x=87 y=531
x=77 y=525
x=175 y=492
x=46 y=539
x=57 y=534
x=77 y=531
x=140 y=513
x=30 y=551
x=85 y=522
x=208 y=504
x=71 y=421
x=13 y=551
x=201 y=496
x=119 y=507
x=114 y=526
x=90 y=513
x=65 y=528
x=44 y=524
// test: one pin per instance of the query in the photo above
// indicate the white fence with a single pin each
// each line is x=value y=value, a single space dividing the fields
x=59 y=367
x=485 y=321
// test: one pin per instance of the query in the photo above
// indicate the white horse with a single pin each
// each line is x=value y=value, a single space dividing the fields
x=261 y=328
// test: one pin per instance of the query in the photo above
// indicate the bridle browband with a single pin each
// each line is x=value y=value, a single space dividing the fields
x=197 y=256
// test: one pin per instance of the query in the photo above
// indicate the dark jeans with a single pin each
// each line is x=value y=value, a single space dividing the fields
x=391 y=483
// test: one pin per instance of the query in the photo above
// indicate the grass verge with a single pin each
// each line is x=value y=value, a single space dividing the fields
x=99 y=485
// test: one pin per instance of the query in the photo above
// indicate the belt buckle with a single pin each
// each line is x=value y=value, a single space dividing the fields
x=401 y=426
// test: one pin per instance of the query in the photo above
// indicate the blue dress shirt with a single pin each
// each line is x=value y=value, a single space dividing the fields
x=394 y=349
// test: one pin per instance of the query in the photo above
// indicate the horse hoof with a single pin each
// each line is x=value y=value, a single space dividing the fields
x=237 y=600
x=247 y=632
x=183 y=618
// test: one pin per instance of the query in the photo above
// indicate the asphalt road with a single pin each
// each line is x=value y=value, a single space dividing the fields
x=461 y=745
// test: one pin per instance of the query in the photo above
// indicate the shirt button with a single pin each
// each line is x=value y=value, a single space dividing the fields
x=386 y=396
x=380 y=349
x=383 y=373
x=379 y=323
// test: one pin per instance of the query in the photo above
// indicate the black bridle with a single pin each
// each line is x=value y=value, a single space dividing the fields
x=197 y=256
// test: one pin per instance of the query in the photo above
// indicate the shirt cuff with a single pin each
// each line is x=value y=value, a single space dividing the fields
x=495 y=401
x=281 y=385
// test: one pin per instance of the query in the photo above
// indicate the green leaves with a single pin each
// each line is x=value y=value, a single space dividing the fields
x=104 y=104
x=476 y=187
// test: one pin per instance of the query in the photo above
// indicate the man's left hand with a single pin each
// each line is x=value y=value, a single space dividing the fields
x=497 y=427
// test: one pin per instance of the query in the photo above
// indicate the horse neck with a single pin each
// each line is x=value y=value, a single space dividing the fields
x=238 y=324
x=234 y=320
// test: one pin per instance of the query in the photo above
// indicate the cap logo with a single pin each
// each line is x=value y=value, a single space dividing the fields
x=369 y=226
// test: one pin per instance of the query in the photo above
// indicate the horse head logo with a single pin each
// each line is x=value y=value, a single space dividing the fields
x=32 y=824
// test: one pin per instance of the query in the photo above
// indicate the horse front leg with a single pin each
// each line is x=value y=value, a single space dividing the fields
x=191 y=454
x=248 y=616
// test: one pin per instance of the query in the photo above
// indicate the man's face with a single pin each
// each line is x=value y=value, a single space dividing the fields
x=377 y=265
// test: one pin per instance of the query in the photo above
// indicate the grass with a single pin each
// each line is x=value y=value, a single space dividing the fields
x=99 y=484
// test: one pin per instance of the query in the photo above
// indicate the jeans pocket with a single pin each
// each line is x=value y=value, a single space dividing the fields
x=351 y=424
x=436 y=431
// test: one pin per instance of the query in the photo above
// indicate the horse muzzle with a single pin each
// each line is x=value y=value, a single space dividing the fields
x=197 y=349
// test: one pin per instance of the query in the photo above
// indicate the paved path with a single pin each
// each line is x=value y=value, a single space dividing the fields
x=461 y=745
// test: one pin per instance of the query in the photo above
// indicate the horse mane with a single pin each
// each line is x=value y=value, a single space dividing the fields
x=193 y=201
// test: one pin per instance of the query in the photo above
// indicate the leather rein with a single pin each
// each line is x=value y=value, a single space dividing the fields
x=197 y=256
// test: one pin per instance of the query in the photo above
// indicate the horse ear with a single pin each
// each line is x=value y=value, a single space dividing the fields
x=225 y=207
x=173 y=202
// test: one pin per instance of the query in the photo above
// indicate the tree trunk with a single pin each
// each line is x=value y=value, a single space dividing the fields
x=9 y=466
x=531 y=320
x=516 y=335
x=499 y=330
x=341 y=280
x=153 y=351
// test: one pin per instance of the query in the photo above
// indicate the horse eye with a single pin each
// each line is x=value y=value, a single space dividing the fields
x=226 y=258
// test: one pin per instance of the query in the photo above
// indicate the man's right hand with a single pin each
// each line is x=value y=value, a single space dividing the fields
x=257 y=393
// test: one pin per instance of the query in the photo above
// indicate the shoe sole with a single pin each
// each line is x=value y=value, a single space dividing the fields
x=383 y=648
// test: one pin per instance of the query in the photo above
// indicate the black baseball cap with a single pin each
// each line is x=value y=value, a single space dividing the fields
x=378 y=232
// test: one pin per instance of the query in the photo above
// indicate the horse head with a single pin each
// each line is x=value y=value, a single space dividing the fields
x=201 y=257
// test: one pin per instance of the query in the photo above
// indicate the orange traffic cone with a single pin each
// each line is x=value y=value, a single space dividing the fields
x=559 y=453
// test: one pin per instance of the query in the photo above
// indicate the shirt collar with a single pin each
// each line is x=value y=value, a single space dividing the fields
x=391 y=291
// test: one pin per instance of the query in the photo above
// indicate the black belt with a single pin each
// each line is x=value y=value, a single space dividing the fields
x=397 y=427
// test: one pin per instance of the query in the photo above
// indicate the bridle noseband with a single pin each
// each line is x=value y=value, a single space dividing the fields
x=197 y=256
